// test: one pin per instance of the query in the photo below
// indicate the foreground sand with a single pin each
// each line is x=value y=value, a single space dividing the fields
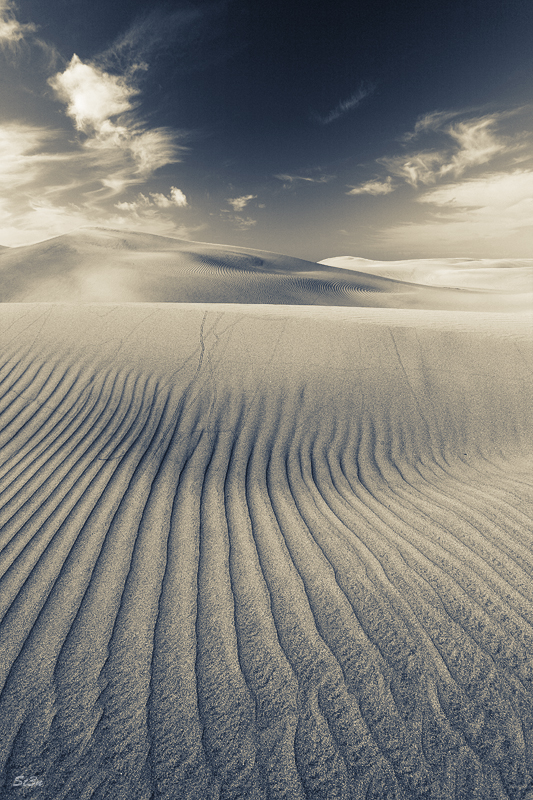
x=265 y=552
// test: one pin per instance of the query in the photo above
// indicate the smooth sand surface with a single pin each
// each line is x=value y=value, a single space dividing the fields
x=265 y=552
x=101 y=265
x=510 y=275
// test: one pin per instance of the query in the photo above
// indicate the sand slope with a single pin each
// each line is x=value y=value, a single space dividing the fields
x=260 y=552
x=509 y=275
x=101 y=265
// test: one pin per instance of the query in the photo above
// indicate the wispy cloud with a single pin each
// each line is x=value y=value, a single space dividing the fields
x=483 y=214
x=473 y=185
x=495 y=190
x=347 y=105
x=24 y=154
x=374 y=187
x=432 y=121
x=243 y=223
x=290 y=181
x=238 y=203
x=467 y=143
x=18 y=37
x=12 y=32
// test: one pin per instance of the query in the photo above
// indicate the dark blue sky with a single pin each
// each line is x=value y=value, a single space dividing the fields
x=378 y=129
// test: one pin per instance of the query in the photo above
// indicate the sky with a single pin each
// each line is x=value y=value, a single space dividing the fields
x=372 y=128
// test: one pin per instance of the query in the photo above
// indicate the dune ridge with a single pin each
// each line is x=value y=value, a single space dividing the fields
x=504 y=274
x=99 y=265
x=264 y=552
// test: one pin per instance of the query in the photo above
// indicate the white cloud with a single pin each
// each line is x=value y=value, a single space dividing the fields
x=49 y=185
x=52 y=181
x=102 y=108
x=490 y=215
x=92 y=96
x=433 y=121
x=290 y=179
x=496 y=190
x=474 y=186
x=12 y=32
x=21 y=154
x=347 y=105
x=374 y=187
x=468 y=143
x=238 y=203
x=175 y=198
x=142 y=202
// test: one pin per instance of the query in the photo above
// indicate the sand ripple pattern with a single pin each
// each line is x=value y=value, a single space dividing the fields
x=229 y=276
x=265 y=579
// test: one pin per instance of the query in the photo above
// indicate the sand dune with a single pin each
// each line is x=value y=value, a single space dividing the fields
x=101 y=265
x=509 y=275
x=265 y=552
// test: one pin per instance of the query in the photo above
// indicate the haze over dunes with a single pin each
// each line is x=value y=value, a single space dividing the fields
x=265 y=552
x=102 y=265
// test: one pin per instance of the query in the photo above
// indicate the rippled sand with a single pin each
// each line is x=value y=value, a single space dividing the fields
x=265 y=552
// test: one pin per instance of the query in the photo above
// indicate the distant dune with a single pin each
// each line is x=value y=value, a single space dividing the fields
x=100 y=265
x=510 y=275
x=261 y=551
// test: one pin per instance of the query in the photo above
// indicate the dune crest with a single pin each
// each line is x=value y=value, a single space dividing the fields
x=508 y=275
x=265 y=552
x=98 y=265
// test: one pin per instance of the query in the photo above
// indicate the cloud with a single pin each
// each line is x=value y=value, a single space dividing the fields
x=175 y=199
x=48 y=184
x=93 y=97
x=484 y=213
x=238 y=203
x=193 y=36
x=52 y=180
x=432 y=121
x=347 y=105
x=496 y=190
x=374 y=187
x=12 y=32
x=23 y=154
x=102 y=108
x=16 y=36
x=243 y=223
x=289 y=180
x=468 y=143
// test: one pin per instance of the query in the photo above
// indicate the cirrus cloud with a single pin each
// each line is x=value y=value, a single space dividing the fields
x=492 y=215
x=374 y=187
x=12 y=32
x=467 y=143
x=346 y=105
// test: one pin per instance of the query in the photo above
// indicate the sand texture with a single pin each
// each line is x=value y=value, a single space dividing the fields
x=98 y=265
x=265 y=552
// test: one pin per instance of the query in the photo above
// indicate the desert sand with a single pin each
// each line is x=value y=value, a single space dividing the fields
x=97 y=265
x=262 y=550
x=504 y=275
